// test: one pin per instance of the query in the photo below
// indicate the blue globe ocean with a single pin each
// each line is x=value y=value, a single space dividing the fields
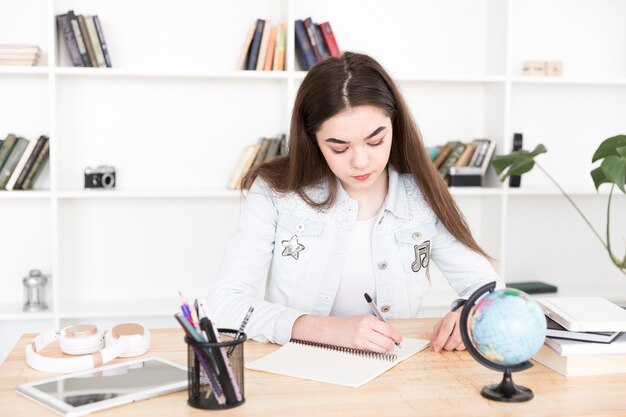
x=507 y=327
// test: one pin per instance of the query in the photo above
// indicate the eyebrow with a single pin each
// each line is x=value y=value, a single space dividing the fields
x=371 y=135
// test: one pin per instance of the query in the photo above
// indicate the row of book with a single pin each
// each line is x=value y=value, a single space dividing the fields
x=264 y=49
x=21 y=161
x=19 y=55
x=265 y=150
x=585 y=336
x=314 y=42
x=84 y=40
x=463 y=163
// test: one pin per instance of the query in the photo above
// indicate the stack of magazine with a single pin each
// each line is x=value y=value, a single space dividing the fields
x=585 y=336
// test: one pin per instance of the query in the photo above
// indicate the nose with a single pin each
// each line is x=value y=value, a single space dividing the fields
x=360 y=158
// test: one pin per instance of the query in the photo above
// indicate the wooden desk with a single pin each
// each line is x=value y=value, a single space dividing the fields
x=428 y=384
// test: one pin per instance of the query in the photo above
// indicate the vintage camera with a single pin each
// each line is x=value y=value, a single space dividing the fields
x=102 y=176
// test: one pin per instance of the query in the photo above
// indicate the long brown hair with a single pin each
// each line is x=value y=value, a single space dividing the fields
x=330 y=87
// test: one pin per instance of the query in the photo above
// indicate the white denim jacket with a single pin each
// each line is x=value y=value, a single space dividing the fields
x=295 y=253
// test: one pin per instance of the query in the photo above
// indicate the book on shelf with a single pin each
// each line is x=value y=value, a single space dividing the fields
x=95 y=43
x=241 y=64
x=585 y=314
x=13 y=159
x=88 y=45
x=581 y=365
x=555 y=330
x=472 y=174
x=243 y=166
x=19 y=54
x=265 y=38
x=19 y=184
x=79 y=39
x=64 y=24
x=6 y=147
x=271 y=48
x=279 y=51
x=264 y=150
x=464 y=158
x=567 y=347
x=314 y=39
x=329 y=38
x=20 y=165
x=321 y=42
x=255 y=46
x=38 y=165
x=457 y=149
x=444 y=151
x=260 y=156
x=103 y=44
x=303 y=46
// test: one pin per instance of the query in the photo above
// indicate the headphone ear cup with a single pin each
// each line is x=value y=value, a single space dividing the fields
x=136 y=336
x=81 y=339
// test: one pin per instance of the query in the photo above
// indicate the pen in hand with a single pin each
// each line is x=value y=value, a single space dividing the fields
x=376 y=311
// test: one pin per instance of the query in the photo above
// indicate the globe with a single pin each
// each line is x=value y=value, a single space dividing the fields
x=502 y=329
x=507 y=327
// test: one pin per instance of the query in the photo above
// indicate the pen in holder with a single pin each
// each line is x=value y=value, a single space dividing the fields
x=215 y=377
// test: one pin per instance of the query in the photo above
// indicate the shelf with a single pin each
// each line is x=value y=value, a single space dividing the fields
x=580 y=190
x=115 y=72
x=119 y=308
x=13 y=311
x=17 y=70
x=299 y=75
x=570 y=81
x=24 y=195
x=140 y=194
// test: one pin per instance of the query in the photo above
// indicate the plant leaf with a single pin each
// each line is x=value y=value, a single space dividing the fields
x=598 y=177
x=517 y=162
x=609 y=147
x=614 y=168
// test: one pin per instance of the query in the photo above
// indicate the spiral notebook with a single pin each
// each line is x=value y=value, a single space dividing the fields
x=334 y=364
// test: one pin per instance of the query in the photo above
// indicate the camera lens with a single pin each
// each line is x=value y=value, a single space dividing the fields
x=107 y=181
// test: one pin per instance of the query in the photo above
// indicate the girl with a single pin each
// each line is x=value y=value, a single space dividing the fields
x=355 y=207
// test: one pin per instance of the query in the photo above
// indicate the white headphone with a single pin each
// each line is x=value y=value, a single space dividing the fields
x=96 y=347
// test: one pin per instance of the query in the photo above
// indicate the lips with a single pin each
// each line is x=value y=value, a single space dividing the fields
x=361 y=177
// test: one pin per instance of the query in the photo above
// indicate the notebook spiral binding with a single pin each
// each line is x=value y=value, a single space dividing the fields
x=391 y=357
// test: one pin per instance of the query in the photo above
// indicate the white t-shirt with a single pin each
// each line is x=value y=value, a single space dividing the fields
x=358 y=274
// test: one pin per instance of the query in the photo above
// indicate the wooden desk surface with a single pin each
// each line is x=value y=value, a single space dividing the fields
x=428 y=384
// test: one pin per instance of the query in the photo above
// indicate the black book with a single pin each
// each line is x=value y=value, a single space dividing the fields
x=65 y=27
x=556 y=331
x=82 y=49
x=103 y=44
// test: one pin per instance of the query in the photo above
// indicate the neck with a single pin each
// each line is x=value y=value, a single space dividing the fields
x=372 y=199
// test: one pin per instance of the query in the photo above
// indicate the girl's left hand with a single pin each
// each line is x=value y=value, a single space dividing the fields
x=446 y=334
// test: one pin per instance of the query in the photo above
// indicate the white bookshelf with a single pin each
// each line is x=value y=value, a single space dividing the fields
x=173 y=117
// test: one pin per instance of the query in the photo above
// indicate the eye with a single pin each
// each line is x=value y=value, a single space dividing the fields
x=339 y=150
x=380 y=142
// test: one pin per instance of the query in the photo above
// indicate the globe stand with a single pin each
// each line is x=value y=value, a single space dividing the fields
x=507 y=391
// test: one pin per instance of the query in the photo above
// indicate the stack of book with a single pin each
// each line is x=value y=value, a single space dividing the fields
x=264 y=49
x=585 y=336
x=21 y=161
x=84 y=39
x=20 y=55
x=265 y=150
x=314 y=42
x=463 y=164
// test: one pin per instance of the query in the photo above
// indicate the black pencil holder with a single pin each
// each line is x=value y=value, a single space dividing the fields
x=201 y=387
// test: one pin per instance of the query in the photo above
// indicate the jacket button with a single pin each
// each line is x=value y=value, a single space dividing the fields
x=385 y=309
x=382 y=265
x=417 y=236
x=300 y=227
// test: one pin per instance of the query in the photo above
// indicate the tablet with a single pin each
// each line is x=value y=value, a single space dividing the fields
x=83 y=392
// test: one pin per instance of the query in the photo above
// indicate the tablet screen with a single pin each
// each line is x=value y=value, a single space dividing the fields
x=111 y=385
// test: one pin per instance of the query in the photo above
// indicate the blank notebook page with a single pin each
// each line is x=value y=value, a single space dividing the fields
x=332 y=365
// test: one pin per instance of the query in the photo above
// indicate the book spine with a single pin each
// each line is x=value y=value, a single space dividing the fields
x=6 y=148
x=271 y=46
x=241 y=64
x=103 y=44
x=79 y=39
x=65 y=26
x=29 y=163
x=310 y=31
x=279 y=53
x=303 y=46
x=37 y=166
x=329 y=37
x=95 y=43
x=260 y=62
x=12 y=161
x=321 y=43
x=20 y=165
x=253 y=54
x=457 y=150
x=85 y=34
x=481 y=152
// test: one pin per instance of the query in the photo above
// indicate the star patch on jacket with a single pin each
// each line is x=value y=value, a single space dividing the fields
x=292 y=247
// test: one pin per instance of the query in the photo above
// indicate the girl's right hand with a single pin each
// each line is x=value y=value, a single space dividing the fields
x=361 y=332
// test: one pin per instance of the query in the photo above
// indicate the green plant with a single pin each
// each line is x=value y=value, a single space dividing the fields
x=612 y=170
